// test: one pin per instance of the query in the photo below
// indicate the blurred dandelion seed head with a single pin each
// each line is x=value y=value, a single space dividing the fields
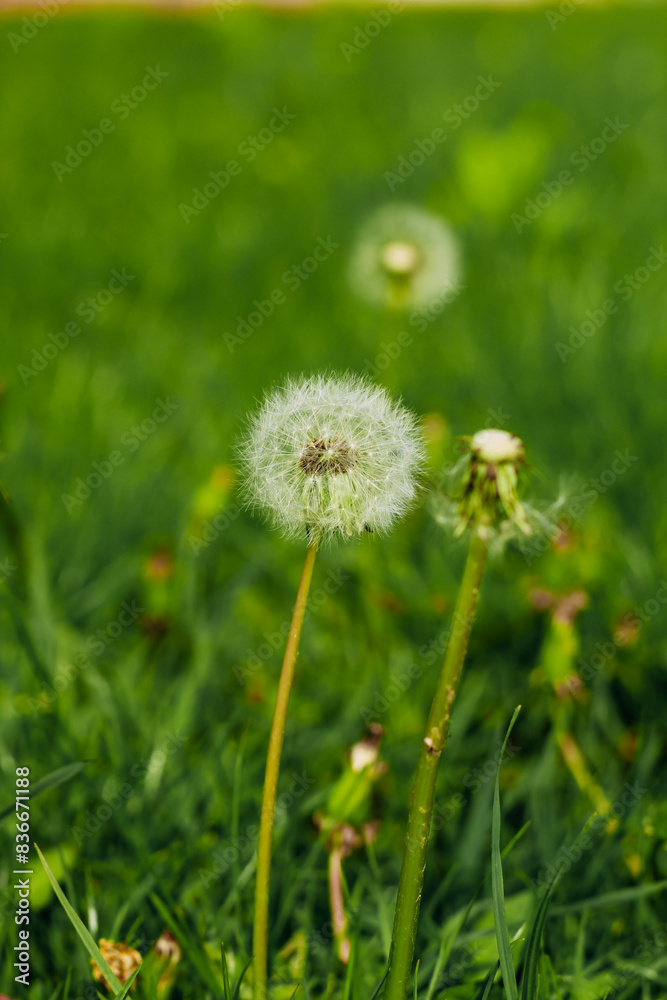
x=331 y=455
x=405 y=258
x=400 y=258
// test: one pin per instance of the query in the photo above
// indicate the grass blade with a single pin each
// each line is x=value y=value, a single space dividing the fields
x=82 y=931
x=530 y=977
x=56 y=777
x=616 y=898
x=515 y=839
x=380 y=985
x=237 y=989
x=497 y=885
x=225 y=974
x=446 y=946
x=126 y=988
x=489 y=982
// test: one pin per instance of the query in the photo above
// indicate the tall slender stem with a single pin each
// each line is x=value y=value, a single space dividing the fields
x=411 y=879
x=271 y=780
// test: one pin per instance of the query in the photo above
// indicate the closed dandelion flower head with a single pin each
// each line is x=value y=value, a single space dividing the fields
x=482 y=492
x=406 y=258
x=331 y=456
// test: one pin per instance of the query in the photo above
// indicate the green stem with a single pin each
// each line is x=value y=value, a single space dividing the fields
x=411 y=880
x=271 y=780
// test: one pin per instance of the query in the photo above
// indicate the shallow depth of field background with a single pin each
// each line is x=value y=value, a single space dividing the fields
x=167 y=682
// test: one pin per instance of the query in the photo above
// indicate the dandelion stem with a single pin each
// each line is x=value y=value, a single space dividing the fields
x=271 y=780
x=411 y=879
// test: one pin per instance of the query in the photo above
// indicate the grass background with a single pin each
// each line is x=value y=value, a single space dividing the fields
x=491 y=352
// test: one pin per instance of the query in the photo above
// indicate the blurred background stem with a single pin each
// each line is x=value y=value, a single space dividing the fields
x=411 y=879
x=271 y=780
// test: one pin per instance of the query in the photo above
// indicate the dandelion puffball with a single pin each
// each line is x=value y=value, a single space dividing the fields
x=405 y=258
x=331 y=455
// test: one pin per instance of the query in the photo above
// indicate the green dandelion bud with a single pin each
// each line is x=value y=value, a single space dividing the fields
x=491 y=486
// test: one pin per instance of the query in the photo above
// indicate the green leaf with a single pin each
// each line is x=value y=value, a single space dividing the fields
x=530 y=977
x=126 y=988
x=57 y=777
x=450 y=933
x=380 y=985
x=225 y=974
x=489 y=982
x=497 y=885
x=68 y=979
x=619 y=897
x=82 y=931
x=237 y=990
x=515 y=839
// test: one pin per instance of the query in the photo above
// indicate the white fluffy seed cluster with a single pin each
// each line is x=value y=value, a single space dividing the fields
x=404 y=243
x=331 y=455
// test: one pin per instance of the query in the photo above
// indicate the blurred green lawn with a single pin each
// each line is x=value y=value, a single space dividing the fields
x=490 y=355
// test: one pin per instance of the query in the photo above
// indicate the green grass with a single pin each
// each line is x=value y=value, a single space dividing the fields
x=157 y=711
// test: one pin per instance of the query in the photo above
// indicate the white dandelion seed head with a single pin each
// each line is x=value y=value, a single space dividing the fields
x=405 y=258
x=331 y=456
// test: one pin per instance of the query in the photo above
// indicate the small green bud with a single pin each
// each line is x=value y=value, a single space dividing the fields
x=491 y=484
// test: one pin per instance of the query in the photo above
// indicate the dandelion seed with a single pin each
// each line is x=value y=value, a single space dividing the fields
x=405 y=258
x=331 y=456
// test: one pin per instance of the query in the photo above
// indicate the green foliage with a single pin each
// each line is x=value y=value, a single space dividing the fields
x=142 y=626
